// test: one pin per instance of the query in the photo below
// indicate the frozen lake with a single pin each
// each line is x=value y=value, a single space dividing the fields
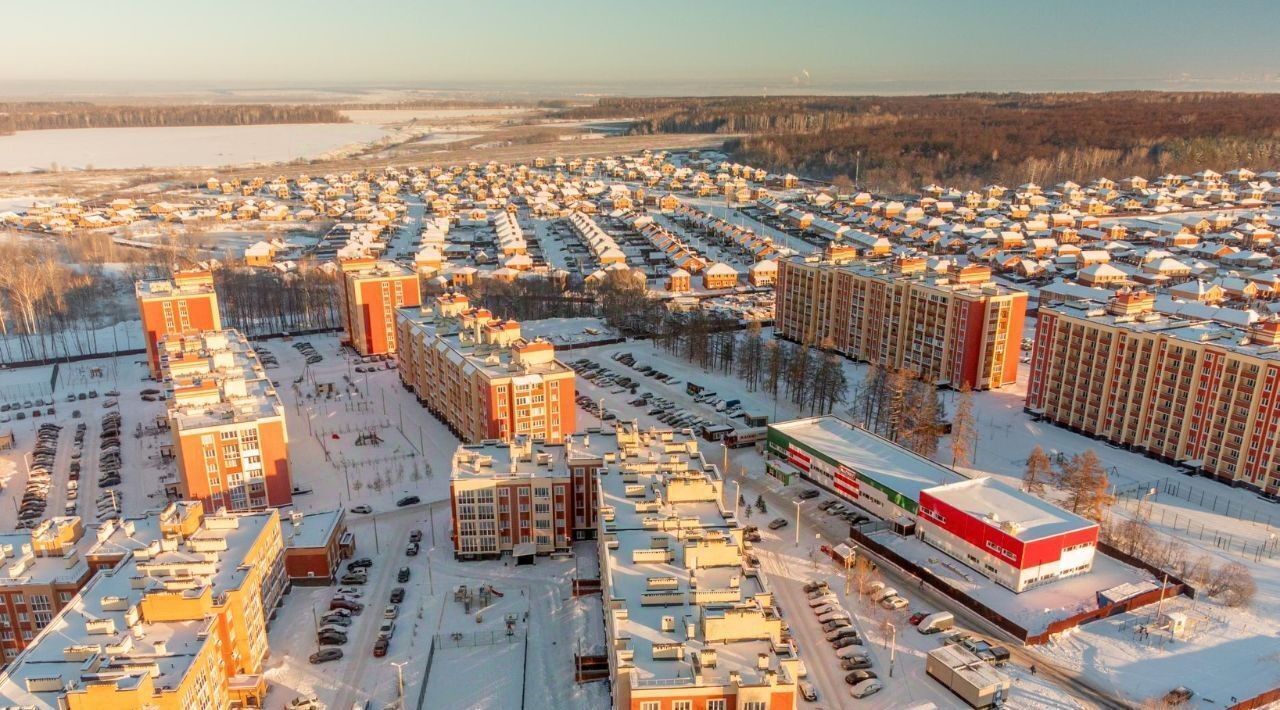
x=195 y=146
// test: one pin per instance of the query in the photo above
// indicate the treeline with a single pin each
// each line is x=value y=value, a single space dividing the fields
x=258 y=302
x=812 y=380
x=35 y=116
x=900 y=143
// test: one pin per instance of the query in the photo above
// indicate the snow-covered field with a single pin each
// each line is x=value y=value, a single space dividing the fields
x=167 y=147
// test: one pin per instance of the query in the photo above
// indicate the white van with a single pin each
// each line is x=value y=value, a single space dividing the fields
x=934 y=623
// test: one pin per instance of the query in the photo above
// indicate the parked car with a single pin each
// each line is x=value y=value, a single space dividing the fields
x=356 y=578
x=412 y=549
x=397 y=595
x=408 y=500
x=332 y=638
x=359 y=563
x=807 y=691
x=865 y=688
x=325 y=655
x=380 y=647
x=846 y=642
x=855 y=664
x=808 y=494
x=403 y=575
x=415 y=536
x=859 y=676
x=778 y=523
x=362 y=509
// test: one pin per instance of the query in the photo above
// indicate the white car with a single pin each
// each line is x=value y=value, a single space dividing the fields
x=865 y=688
x=894 y=602
x=852 y=653
x=820 y=610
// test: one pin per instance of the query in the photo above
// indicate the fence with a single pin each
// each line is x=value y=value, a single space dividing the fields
x=426 y=674
x=1260 y=700
x=993 y=616
x=1189 y=528
x=459 y=639
x=1217 y=503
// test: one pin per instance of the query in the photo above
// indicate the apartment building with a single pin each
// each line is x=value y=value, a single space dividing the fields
x=315 y=544
x=229 y=435
x=957 y=328
x=478 y=375
x=372 y=290
x=185 y=303
x=689 y=618
x=175 y=621
x=525 y=497
x=43 y=569
x=1188 y=391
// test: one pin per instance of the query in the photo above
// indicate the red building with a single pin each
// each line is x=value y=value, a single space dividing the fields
x=1010 y=536
x=315 y=544
x=371 y=292
x=184 y=304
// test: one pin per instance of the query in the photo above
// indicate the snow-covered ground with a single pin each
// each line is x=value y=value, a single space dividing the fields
x=165 y=147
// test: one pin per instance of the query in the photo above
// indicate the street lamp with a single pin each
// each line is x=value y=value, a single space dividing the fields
x=399 y=665
x=737 y=496
x=893 y=645
x=797 y=523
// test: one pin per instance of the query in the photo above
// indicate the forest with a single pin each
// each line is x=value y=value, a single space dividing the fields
x=900 y=143
x=42 y=115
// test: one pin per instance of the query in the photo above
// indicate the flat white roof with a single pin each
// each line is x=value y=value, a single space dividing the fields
x=878 y=459
x=1019 y=514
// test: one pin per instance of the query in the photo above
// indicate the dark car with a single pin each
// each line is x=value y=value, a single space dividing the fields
x=403 y=575
x=357 y=578
x=380 y=647
x=778 y=523
x=397 y=595
x=325 y=655
x=353 y=607
x=808 y=494
x=845 y=641
x=857 y=677
x=855 y=664
x=336 y=619
x=917 y=617
x=415 y=536
x=408 y=500
x=361 y=563
x=332 y=637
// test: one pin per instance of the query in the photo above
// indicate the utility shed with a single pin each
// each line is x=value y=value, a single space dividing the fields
x=972 y=679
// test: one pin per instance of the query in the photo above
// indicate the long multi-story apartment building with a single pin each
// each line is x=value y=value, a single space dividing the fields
x=372 y=290
x=524 y=497
x=689 y=618
x=185 y=303
x=478 y=375
x=956 y=328
x=43 y=569
x=229 y=435
x=175 y=620
x=1190 y=391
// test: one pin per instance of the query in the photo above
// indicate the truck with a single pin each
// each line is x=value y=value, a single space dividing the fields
x=934 y=623
x=743 y=438
x=715 y=432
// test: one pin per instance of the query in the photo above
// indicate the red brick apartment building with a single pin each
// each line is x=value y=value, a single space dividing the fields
x=315 y=544
x=480 y=376
x=956 y=328
x=1193 y=392
x=523 y=497
x=43 y=569
x=371 y=292
x=227 y=422
x=185 y=303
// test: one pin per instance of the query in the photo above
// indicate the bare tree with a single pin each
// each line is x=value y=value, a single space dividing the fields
x=962 y=428
x=1038 y=471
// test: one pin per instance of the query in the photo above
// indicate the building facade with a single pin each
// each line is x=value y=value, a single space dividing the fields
x=176 y=620
x=957 y=328
x=229 y=435
x=185 y=303
x=315 y=544
x=371 y=292
x=526 y=492
x=479 y=376
x=1193 y=392
x=43 y=569
x=1014 y=538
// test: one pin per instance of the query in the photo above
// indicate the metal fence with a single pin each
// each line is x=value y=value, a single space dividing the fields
x=460 y=639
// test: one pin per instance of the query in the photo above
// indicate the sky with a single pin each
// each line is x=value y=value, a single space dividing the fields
x=647 y=46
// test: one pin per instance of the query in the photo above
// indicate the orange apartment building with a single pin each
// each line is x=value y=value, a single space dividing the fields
x=524 y=497
x=957 y=328
x=176 y=620
x=478 y=375
x=1197 y=393
x=43 y=570
x=185 y=303
x=372 y=291
x=229 y=435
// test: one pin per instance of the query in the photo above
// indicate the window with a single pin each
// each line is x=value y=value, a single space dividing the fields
x=650 y=705
x=682 y=705
x=754 y=705
x=716 y=704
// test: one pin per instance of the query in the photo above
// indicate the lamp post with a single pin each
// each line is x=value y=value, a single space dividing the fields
x=893 y=645
x=399 y=666
x=797 y=523
x=737 y=496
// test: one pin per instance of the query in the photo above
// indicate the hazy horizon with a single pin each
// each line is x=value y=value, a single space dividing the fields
x=574 y=48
